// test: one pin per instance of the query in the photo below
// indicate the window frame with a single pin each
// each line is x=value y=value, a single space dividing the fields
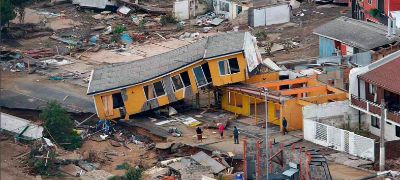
x=377 y=124
x=173 y=84
x=154 y=90
x=229 y=67
x=204 y=75
x=369 y=2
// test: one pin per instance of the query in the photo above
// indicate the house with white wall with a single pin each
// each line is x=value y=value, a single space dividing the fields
x=372 y=84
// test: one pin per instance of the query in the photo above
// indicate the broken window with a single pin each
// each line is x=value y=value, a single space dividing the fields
x=117 y=100
x=185 y=78
x=230 y=66
x=207 y=72
x=199 y=74
x=177 y=81
x=149 y=91
x=154 y=90
x=159 y=88
x=234 y=65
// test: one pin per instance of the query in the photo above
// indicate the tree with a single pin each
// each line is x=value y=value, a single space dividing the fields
x=6 y=12
x=60 y=126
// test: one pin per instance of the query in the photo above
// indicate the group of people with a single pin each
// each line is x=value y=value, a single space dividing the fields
x=221 y=129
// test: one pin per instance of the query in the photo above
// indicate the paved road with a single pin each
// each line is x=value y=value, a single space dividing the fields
x=33 y=92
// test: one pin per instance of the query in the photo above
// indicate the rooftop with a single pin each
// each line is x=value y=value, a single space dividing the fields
x=356 y=33
x=385 y=76
x=127 y=74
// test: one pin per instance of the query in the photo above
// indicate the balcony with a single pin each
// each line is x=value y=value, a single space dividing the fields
x=373 y=108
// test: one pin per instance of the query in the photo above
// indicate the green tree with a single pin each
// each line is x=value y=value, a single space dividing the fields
x=60 y=126
x=6 y=12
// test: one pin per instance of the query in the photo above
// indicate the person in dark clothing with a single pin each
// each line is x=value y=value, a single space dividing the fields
x=284 y=125
x=199 y=133
x=235 y=135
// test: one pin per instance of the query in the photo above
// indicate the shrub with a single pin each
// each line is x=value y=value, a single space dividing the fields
x=60 y=126
x=167 y=19
x=119 y=29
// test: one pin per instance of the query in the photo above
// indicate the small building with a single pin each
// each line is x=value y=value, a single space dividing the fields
x=346 y=36
x=264 y=15
x=370 y=85
x=121 y=90
x=228 y=8
x=286 y=98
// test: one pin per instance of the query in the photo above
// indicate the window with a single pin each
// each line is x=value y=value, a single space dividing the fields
x=372 y=89
x=154 y=90
x=398 y=131
x=185 y=78
x=202 y=74
x=375 y=122
x=159 y=88
x=369 y=1
x=177 y=82
x=117 y=100
x=230 y=66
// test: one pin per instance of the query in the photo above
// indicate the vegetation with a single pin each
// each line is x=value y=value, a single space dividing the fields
x=60 y=126
x=131 y=174
x=119 y=29
x=142 y=24
x=6 y=12
x=39 y=164
x=375 y=13
x=260 y=34
x=168 y=19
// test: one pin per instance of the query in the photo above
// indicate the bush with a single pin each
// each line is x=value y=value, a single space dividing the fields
x=60 y=126
x=168 y=19
x=131 y=174
x=39 y=164
x=119 y=29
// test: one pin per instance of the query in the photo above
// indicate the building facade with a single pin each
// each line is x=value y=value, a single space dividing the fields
x=377 y=11
x=374 y=84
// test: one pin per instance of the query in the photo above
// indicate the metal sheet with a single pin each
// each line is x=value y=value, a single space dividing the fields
x=206 y=160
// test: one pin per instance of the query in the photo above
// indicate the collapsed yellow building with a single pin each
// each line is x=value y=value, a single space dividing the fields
x=286 y=98
x=124 y=89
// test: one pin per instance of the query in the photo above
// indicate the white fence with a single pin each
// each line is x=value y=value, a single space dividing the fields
x=339 y=139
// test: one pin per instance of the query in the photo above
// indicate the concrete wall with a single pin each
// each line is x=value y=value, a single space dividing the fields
x=390 y=129
x=269 y=15
x=181 y=9
x=338 y=114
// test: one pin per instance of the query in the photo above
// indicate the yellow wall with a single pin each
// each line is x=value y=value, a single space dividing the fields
x=293 y=112
x=136 y=97
x=219 y=80
x=268 y=77
x=239 y=99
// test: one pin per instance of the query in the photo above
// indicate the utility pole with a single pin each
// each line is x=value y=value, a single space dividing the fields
x=266 y=129
x=382 y=143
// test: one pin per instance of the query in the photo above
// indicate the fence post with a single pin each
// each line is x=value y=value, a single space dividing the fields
x=258 y=160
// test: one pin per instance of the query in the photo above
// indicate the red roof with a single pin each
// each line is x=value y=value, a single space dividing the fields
x=386 y=76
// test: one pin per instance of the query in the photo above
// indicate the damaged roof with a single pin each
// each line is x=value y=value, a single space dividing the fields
x=356 y=33
x=122 y=75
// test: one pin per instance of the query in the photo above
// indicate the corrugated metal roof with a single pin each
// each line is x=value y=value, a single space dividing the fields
x=126 y=74
x=206 y=160
x=356 y=33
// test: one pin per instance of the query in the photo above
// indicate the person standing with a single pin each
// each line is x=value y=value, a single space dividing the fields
x=235 y=135
x=284 y=125
x=221 y=130
x=199 y=133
